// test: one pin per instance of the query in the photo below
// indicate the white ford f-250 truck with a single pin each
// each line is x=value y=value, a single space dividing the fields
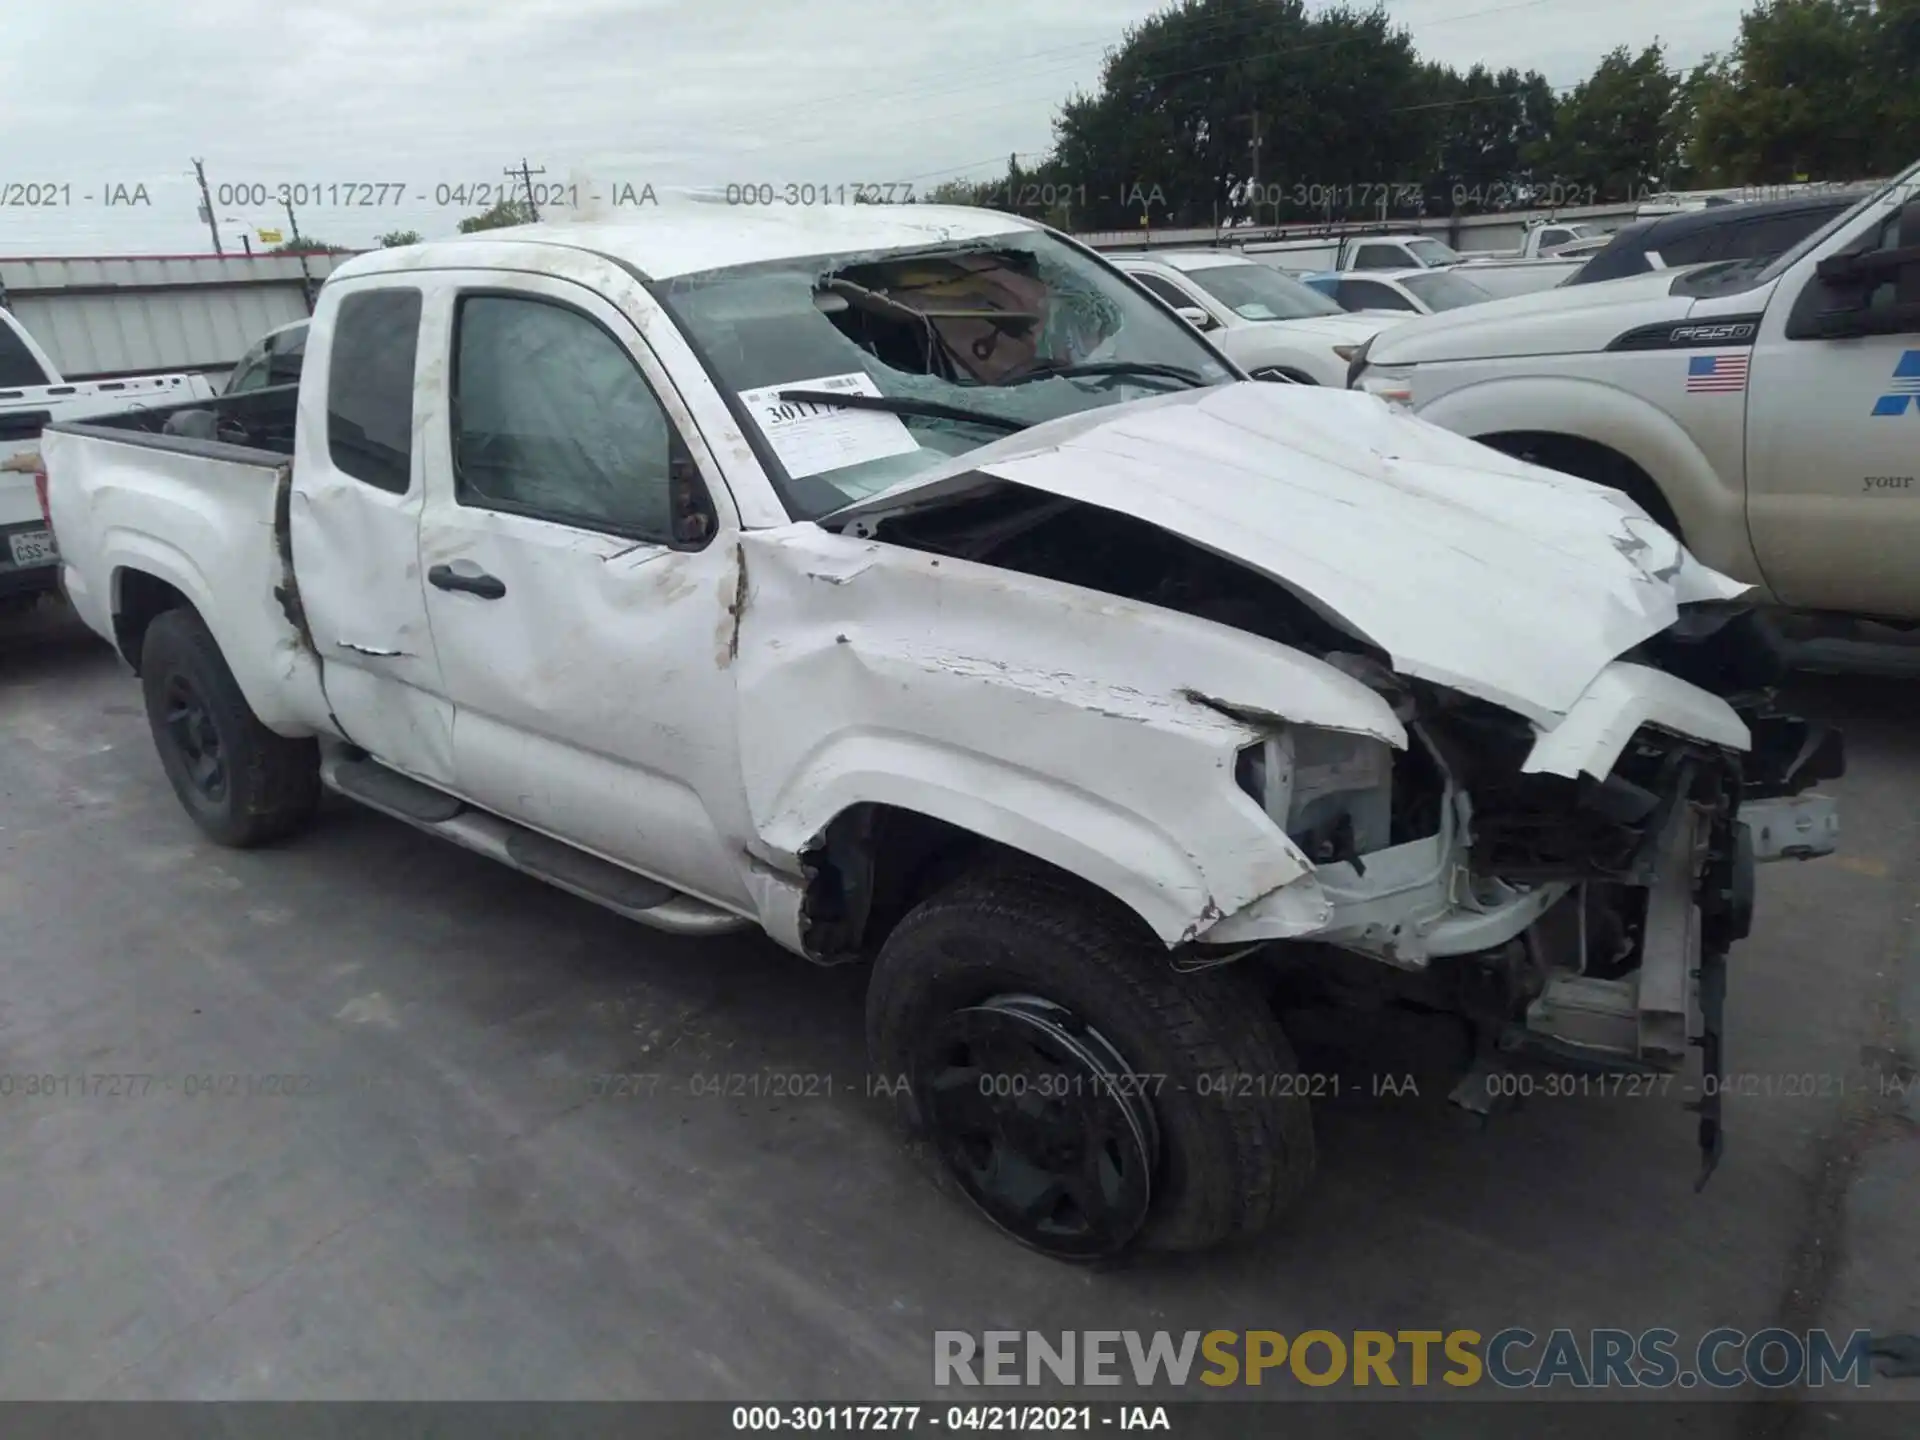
x=1765 y=411
x=32 y=393
x=905 y=582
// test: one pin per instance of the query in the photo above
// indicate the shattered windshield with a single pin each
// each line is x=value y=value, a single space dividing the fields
x=1016 y=329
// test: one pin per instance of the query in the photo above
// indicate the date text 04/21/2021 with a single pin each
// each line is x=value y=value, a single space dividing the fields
x=324 y=194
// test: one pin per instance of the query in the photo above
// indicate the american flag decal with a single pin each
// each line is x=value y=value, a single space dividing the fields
x=1716 y=374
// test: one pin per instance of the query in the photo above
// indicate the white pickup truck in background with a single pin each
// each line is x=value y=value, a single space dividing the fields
x=32 y=394
x=905 y=582
x=1767 y=411
x=1545 y=240
x=1498 y=275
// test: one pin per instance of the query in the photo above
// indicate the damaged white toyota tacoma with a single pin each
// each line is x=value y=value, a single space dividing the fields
x=905 y=582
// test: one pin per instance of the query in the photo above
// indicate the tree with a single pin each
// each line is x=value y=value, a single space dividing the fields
x=507 y=212
x=1813 y=89
x=958 y=192
x=399 y=237
x=1491 y=125
x=1613 y=136
x=1218 y=108
x=307 y=244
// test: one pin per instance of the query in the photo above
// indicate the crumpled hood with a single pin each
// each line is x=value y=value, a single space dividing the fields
x=1560 y=320
x=1469 y=568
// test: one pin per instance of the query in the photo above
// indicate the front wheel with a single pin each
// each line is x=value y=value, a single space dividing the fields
x=242 y=784
x=1081 y=1093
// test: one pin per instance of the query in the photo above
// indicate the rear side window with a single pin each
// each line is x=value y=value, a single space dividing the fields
x=1165 y=289
x=251 y=372
x=1371 y=295
x=289 y=350
x=370 y=387
x=1380 y=257
x=18 y=368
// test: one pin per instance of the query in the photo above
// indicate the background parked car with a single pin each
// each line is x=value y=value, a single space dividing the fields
x=1716 y=232
x=1273 y=326
x=1418 y=292
x=274 y=359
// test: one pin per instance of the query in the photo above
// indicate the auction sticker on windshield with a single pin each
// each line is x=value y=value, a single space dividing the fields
x=811 y=438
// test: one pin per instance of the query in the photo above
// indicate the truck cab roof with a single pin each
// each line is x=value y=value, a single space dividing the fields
x=686 y=237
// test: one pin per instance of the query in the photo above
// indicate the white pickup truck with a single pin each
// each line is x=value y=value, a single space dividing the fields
x=1545 y=241
x=905 y=582
x=1767 y=411
x=32 y=394
x=1497 y=274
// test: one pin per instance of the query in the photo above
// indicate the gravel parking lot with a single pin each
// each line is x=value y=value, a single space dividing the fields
x=361 y=1149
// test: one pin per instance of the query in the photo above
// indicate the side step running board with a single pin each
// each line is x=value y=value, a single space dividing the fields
x=544 y=858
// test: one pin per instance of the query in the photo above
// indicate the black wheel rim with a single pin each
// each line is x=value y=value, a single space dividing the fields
x=196 y=741
x=1042 y=1123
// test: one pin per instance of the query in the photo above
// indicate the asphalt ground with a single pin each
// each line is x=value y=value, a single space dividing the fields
x=366 y=1147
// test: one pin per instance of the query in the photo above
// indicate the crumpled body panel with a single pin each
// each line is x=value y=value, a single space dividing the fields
x=1471 y=569
x=1096 y=733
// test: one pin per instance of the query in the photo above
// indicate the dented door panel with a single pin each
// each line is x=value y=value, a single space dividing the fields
x=593 y=698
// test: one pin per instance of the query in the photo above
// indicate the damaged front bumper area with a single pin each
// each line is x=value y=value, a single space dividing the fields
x=1572 y=893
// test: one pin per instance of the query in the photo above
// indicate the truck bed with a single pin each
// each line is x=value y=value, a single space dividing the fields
x=143 y=516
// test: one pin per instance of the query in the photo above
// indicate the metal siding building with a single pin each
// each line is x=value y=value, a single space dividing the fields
x=127 y=315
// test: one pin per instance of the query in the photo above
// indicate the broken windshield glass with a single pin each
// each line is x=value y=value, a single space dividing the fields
x=972 y=340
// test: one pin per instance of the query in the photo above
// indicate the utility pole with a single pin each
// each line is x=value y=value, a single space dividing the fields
x=206 y=206
x=526 y=175
x=306 y=275
x=1253 y=162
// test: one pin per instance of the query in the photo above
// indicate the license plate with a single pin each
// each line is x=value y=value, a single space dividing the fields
x=32 y=547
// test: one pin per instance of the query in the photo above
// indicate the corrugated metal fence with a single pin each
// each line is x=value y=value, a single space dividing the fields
x=100 y=317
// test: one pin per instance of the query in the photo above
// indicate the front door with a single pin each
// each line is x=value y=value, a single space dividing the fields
x=582 y=582
x=1833 y=441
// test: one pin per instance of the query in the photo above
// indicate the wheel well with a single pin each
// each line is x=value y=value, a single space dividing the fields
x=1589 y=460
x=874 y=863
x=142 y=599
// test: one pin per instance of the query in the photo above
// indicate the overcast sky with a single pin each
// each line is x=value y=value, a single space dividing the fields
x=424 y=94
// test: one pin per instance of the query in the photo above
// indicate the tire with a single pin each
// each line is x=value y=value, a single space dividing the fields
x=242 y=784
x=1234 y=1148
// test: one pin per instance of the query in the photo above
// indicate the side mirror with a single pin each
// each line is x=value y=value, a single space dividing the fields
x=692 y=508
x=1846 y=299
x=1875 y=266
x=1194 y=316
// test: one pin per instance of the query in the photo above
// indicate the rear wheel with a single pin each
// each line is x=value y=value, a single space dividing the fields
x=1084 y=1096
x=242 y=784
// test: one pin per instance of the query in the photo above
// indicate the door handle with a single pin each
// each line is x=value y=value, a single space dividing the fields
x=445 y=577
